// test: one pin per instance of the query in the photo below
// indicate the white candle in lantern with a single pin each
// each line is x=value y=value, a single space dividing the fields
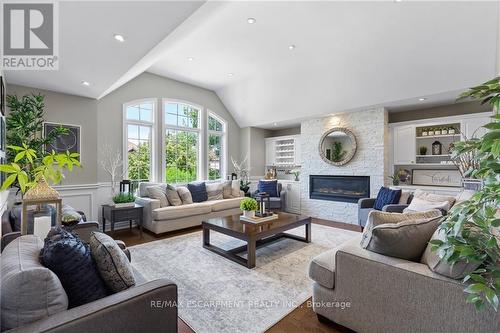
x=41 y=226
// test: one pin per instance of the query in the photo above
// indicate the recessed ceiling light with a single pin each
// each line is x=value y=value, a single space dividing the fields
x=86 y=83
x=398 y=0
x=251 y=20
x=275 y=124
x=190 y=58
x=230 y=74
x=291 y=47
x=119 y=38
x=422 y=99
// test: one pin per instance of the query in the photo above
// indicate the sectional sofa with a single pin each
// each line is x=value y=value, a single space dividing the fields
x=164 y=219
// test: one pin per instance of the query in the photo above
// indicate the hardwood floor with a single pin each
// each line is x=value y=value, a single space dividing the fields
x=303 y=319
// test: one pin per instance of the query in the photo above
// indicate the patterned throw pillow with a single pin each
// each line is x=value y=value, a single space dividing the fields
x=112 y=262
x=173 y=197
x=185 y=195
x=386 y=196
x=158 y=193
x=70 y=259
x=214 y=191
x=198 y=191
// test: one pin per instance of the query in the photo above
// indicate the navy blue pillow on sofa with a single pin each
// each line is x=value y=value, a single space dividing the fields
x=198 y=191
x=386 y=196
x=269 y=186
x=70 y=259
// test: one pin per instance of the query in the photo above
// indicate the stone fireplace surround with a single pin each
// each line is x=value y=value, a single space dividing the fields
x=372 y=134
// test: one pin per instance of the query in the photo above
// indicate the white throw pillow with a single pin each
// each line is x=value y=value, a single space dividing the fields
x=158 y=193
x=423 y=201
x=214 y=191
x=235 y=188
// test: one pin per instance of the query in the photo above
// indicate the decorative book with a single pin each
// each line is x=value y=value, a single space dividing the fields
x=257 y=220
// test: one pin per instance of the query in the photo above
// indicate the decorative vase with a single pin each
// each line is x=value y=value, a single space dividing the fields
x=249 y=214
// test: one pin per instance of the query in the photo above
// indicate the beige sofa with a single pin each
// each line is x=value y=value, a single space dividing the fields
x=371 y=292
x=164 y=219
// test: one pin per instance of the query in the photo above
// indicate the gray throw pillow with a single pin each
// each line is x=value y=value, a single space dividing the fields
x=158 y=193
x=113 y=264
x=405 y=240
x=185 y=195
x=173 y=197
x=29 y=291
x=227 y=191
x=215 y=191
x=457 y=271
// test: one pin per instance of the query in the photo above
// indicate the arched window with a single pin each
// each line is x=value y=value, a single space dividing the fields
x=138 y=139
x=216 y=147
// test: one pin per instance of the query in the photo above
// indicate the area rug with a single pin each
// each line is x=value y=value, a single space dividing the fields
x=217 y=295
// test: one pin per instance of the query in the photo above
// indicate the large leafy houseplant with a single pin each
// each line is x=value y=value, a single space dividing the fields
x=28 y=160
x=472 y=227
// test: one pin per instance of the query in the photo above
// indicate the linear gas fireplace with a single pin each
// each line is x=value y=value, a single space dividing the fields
x=339 y=188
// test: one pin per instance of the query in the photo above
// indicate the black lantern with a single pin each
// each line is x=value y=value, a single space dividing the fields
x=437 y=148
x=264 y=205
x=126 y=186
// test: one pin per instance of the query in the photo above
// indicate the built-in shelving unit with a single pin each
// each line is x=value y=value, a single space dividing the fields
x=408 y=138
x=283 y=151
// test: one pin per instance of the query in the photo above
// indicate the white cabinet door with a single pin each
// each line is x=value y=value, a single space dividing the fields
x=292 y=197
x=404 y=144
x=270 y=152
x=297 y=148
x=472 y=127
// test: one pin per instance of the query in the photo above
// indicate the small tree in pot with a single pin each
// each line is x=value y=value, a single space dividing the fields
x=472 y=227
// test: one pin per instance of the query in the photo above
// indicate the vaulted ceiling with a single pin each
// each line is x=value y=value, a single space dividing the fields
x=346 y=55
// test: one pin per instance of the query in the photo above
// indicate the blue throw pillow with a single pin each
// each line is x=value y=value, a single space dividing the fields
x=70 y=259
x=386 y=196
x=269 y=186
x=198 y=191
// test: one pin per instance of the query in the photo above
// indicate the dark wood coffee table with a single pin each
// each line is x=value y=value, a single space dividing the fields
x=254 y=235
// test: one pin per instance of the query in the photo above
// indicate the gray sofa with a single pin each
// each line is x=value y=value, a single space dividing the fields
x=142 y=308
x=274 y=202
x=365 y=206
x=164 y=219
x=370 y=292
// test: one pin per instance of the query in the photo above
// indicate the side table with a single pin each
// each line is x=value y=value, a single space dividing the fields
x=119 y=214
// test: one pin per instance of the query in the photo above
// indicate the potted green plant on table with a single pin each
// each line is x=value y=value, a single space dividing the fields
x=122 y=200
x=29 y=161
x=472 y=227
x=249 y=206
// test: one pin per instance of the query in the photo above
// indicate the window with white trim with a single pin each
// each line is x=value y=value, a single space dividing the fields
x=138 y=139
x=181 y=141
x=216 y=145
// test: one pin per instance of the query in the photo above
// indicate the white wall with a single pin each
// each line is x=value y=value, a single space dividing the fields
x=371 y=130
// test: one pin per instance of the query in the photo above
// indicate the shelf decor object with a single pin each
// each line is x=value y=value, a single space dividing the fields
x=434 y=177
x=437 y=148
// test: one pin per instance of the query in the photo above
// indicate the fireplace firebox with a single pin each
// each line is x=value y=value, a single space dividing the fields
x=339 y=188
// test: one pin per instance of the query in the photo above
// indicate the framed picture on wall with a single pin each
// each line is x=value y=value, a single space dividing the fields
x=2 y=96
x=70 y=142
x=435 y=177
